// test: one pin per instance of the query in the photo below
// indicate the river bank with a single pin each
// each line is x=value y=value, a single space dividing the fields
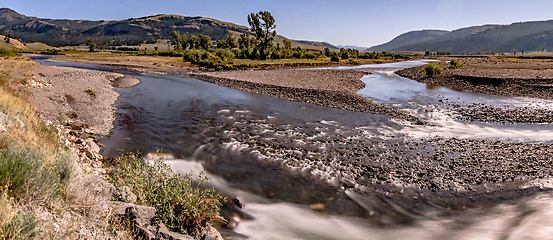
x=76 y=107
x=512 y=77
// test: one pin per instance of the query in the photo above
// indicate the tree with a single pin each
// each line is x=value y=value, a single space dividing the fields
x=327 y=52
x=263 y=26
x=231 y=40
x=90 y=45
x=193 y=42
x=205 y=42
x=287 y=44
x=179 y=41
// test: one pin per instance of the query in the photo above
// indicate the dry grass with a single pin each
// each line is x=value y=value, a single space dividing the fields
x=43 y=194
x=124 y=59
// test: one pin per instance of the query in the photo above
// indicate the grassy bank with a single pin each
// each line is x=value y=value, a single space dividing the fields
x=44 y=194
x=175 y=60
x=35 y=170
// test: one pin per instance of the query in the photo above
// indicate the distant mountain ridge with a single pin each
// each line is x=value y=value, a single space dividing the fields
x=408 y=38
x=352 y=47
x=524 y=36
x=133 y=31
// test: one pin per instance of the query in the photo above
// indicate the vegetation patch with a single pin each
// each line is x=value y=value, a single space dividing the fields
x=8 y=53
x=181 y=204
x=90 y=92
x=432 y=69
x=454 y=64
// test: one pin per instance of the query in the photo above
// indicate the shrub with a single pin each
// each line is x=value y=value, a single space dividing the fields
x=193 y=55
x=432 y=69
x=224 y=54
x=352 y=62
x=296 y=54
x=287 y=53
x=181 y=205
x=454 y=64
x=309 y=55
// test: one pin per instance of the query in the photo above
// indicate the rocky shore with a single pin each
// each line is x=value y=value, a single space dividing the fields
x=329 y=88
x=80 y=102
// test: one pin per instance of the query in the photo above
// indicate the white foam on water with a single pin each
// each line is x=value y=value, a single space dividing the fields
x=441 y=124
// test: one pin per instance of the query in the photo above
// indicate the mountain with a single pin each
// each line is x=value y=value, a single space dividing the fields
x=317 y=44
x=408 y=38
x=523 y=36
x=133 y=31
x=352 y=47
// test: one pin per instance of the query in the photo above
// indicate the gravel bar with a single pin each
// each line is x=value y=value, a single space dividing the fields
x=329 y=88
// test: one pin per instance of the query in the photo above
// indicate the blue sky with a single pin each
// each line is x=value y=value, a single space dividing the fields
x=351 y=22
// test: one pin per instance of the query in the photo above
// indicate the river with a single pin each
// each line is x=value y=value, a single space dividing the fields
x=292 y=165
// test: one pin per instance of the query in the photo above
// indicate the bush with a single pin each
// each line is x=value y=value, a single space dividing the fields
x=181 y=205
x=296 y=55
x=193 y=55
x=309 y=55
x=454 y=64
x=432 y=69
x=352 y=62
x=224 y=54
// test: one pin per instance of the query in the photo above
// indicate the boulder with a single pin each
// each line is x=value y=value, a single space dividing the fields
x=162 y=233
x=93 y=146
x=139 y=215
x=123 y=194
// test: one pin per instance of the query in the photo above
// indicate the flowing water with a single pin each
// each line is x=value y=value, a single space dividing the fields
x=249 y=145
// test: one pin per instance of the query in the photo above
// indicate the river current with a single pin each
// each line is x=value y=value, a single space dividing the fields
x=231 y=135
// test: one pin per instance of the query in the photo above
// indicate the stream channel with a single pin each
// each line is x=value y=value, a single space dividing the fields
x=299 y=170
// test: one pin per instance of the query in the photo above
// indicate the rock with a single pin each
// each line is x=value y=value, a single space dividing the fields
x=162 y=233
x=93 y=146
x=140 y=215
x=212 y=234
x=124 y=194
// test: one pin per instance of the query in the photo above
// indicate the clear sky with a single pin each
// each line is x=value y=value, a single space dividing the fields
x=345 y=22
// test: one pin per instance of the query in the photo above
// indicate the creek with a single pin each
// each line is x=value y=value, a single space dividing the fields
x=254 y=147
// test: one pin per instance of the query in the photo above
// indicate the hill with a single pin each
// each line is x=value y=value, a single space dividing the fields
x=129 y=32
x=524 y=36
x=408 y=38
